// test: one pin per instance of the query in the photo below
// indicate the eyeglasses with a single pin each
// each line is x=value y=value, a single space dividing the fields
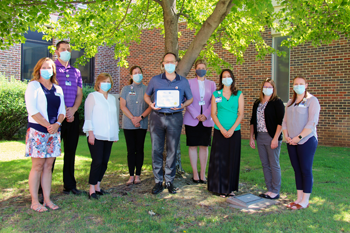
x=267 y=87
x=169 y=62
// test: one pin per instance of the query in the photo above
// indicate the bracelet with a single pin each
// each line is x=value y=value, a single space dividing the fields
x=58 y=123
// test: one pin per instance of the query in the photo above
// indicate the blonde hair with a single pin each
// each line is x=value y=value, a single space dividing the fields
x=101 y=77
x=200 y=61
x=274 y=94
x=39 y=64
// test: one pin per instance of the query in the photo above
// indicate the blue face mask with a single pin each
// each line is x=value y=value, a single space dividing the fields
x=65 y=56
x=170 y=68
x=267 y=91
x=299 y=89
x=201 y=73
x=137 y=78
x=106 y=86
x=227 y=81
x=46 y=73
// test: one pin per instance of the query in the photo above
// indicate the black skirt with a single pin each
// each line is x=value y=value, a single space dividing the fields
x=224 y=163
x=198 y=135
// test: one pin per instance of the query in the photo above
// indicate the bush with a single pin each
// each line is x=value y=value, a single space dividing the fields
x=13 y=112
x=87 y=89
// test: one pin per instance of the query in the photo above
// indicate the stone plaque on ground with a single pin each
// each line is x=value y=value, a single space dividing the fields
x=249 y=201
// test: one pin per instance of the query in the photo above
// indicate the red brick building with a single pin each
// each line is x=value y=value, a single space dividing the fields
x=327 y=69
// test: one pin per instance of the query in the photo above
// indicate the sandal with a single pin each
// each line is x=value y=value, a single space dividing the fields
x=51 y=205
x=299 y=207
x=137 y=181
x=290 y=205
x=129 y=182
x=39 y=208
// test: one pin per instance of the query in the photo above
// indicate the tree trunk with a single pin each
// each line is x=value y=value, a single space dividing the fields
x=171 y=21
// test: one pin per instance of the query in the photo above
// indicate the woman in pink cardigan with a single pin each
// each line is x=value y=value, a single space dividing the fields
x=197 y=120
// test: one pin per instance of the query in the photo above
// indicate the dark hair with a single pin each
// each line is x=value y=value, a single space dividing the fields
x=295 y=94
x=274 y=94
x=131 y=70
x=61 y=42
x=171 y=54
x=233 y=85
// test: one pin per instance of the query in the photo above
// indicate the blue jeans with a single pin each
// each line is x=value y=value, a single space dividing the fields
x=302 y=157
x=165 y=127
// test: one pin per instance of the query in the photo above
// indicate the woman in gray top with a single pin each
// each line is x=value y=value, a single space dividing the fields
x=299 y=129
x=134 y=122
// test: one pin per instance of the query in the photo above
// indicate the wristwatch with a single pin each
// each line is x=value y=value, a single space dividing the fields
x=300 y=137
x=141 y=117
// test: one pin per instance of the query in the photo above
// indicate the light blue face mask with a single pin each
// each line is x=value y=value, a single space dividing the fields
x=65 y=56
x=267 y=91
x=170 y=68
x=46 y=73
x=106 y=86
x=137 y=78
x=299 y=89
x=227 y=81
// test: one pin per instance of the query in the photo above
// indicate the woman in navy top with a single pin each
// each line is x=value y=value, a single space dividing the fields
x=46 y=111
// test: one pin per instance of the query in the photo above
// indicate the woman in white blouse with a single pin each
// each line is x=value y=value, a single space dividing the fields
x=101 y=128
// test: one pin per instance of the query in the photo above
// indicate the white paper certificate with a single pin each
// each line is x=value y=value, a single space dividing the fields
x=167 y=98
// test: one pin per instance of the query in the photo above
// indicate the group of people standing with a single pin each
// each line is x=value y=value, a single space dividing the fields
x=55 y=93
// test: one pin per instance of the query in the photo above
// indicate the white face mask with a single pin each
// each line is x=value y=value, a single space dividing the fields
x=267 y=91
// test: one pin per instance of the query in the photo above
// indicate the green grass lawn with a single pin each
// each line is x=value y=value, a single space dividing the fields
x=193 y=209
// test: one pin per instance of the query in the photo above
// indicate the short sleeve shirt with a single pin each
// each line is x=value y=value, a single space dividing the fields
x=68 y=78
x=227 y=109
x=160 y=81
x=133 y=96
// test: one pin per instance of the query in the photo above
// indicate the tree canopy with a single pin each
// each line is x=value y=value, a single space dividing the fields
x=235 y=24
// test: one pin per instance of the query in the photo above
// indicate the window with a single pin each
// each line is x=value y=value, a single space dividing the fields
x=280 y=69
x=87 y=71
x=32 y=50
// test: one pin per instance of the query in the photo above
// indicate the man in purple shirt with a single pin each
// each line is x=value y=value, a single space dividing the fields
x=69 y=78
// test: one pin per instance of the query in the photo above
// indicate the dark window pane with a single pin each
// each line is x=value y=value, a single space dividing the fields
x=86 y=70
x=31 y=53
x=281 y=69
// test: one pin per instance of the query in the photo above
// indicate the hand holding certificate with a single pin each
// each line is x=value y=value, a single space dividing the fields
x=167 y=99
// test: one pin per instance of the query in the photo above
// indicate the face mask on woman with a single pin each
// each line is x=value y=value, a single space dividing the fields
x=106 y=86
x=227 y=81
x=201 y=73
x=267 y=91
x=299 y=89
x=46 y=73
x=137 y=78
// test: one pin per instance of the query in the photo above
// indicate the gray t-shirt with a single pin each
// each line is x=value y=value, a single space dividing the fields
x=304 y=115
x=133 y=95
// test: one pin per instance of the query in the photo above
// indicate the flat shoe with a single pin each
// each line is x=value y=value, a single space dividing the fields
x=51 y=205
x=39 y=208
x=203 y=181
x=273 y=198
x=298 y=207
x=195 y=181
x=101 y=192
x=93 y=196
x=263 y=195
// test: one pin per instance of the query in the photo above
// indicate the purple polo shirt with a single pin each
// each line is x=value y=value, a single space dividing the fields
x=75 y=80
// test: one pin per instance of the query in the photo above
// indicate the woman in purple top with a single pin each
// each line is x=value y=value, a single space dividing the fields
x=46 y=111
x=198 y=122
x=299 y=129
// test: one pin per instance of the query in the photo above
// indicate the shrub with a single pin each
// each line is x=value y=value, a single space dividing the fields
x=13 y=113
x=87 y=89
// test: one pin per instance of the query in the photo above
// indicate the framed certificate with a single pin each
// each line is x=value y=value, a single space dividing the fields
x=167 y=98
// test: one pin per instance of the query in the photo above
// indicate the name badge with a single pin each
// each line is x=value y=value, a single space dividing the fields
x=57 y=94
x=202 y=102
x=218 y=99
x=132 y=93
x=68 y=83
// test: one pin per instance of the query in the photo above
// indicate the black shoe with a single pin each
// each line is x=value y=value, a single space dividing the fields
x=93 y=196
x=195 y=181
x=157 y=188
x=263 y=195
x=171 y=188
x=74 y=191
x=203 y=181
x=101 y=192
x=41 y=198
x=276 y=197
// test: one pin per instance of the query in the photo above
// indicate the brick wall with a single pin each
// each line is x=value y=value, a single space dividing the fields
x=327 y=69
x=10 y=62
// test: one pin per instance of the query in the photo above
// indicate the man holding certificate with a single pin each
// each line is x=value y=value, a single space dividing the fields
x=171 y=94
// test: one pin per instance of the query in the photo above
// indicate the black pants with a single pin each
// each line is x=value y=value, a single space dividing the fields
x=100 y=153
x=70 y=138
x=135 y=140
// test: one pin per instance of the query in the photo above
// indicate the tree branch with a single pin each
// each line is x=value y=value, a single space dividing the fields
x=37 y=3
x=147 y=11
x=182 y=8
x=158 y=1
